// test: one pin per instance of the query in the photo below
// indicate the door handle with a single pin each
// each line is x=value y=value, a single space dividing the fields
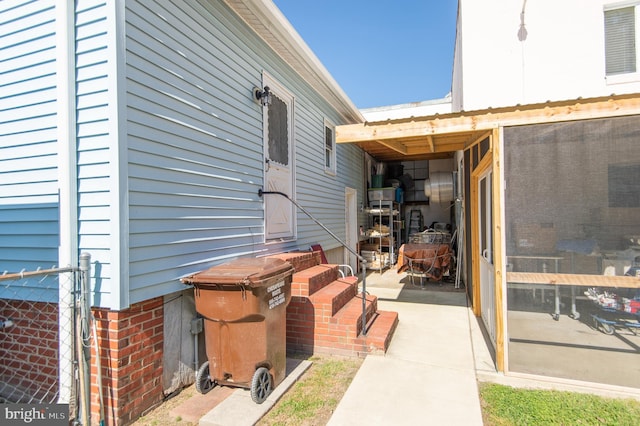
x=266 y=162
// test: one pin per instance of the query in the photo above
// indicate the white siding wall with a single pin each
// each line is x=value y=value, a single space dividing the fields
x=195 y=152
x=28 y=161
x=561 y=58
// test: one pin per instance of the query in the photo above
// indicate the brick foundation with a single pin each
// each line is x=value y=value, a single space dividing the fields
x=29 y=351
x=131 y=352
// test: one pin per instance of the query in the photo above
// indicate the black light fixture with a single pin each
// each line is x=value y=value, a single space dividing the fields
x=262 y=96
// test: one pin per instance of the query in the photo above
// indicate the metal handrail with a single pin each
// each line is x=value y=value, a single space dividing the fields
x=363 y=261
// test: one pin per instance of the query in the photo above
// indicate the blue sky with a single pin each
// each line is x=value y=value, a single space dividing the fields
x=381 y=52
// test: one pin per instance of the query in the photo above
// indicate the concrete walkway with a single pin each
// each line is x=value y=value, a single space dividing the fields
x=428 y=375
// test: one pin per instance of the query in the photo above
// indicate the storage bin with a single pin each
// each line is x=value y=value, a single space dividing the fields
x=430 y=237
x=382 y=194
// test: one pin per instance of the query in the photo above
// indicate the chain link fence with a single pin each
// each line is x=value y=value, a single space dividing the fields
x=40 y=327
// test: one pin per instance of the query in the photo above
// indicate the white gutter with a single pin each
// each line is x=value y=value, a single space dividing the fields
x=67 y=186
x=270 y=24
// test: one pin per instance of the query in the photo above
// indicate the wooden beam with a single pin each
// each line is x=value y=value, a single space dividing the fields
x=479 y=137
x=496 y=211
x=425 y=149
x=396 y=146
x=488 y=119
x=580 y=280
x=475 y=245
x=430 y=142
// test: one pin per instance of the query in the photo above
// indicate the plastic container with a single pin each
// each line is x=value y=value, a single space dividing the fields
x=430 y=237
x=377 y=181
x=243 y=304
x=399 y=195
x=382 y=194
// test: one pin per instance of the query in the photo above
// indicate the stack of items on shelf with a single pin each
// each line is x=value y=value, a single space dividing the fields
x=375 y=259
x=378 y=231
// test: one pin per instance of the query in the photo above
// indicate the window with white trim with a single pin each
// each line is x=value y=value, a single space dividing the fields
x=620 y=40
x=329 y=147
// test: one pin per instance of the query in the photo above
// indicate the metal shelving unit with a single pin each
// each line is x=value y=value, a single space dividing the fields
x=384 y=231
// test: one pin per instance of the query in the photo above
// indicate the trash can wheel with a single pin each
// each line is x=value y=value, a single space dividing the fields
x=261 y=385
x=203 y=379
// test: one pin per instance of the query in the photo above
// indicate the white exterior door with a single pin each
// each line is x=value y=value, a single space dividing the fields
x=279 y=163
x=485 y=228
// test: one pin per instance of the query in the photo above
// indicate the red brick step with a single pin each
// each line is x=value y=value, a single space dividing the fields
x=330 y=299
x=310 y=280
x=379 y=332
x=351 y=314
x=325 y=311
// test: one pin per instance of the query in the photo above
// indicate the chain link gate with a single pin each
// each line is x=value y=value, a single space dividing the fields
x=45 y=337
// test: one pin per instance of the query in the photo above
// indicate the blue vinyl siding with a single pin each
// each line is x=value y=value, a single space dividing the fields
x=195 y=145
x=29 y=234
x=169 y=166
x=96 y=144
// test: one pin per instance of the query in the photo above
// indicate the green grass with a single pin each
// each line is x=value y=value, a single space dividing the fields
x=313 y=398
x=504 y=405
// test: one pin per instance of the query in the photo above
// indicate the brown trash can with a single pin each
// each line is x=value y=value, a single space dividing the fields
x=244 y=305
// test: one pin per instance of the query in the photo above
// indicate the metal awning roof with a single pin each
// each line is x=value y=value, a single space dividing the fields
x=439 y=136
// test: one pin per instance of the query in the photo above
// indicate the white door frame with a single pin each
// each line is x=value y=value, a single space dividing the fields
x=279 y=214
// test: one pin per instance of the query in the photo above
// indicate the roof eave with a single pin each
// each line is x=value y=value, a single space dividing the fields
x=268 y=22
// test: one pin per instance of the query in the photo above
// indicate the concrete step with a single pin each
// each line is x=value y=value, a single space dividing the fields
x=379 y=332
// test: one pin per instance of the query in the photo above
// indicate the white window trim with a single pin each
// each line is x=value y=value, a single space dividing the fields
x=333 y=169
x=632 y=76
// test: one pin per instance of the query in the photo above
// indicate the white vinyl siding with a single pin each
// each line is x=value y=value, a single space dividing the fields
x=620 y=40
x=28 y=147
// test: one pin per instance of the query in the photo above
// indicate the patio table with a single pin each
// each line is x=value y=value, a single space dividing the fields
x=432 y=260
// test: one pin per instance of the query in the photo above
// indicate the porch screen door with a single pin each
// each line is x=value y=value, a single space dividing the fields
x=485 y=228
x=278 y=132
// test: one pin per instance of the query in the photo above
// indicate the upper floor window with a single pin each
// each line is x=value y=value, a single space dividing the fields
x=620 y=40
x=329 y=147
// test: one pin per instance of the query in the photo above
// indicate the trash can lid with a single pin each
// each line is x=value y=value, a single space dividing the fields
x=252 y=272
